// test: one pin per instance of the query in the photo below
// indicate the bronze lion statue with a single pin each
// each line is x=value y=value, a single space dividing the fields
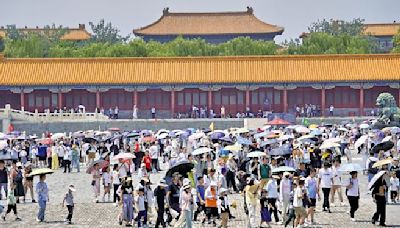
x=389 y=113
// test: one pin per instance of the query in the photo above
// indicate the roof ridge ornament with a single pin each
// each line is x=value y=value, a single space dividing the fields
x=250 y=10
x=166 y=11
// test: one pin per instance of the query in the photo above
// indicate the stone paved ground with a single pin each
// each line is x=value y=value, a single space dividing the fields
x=89 y=214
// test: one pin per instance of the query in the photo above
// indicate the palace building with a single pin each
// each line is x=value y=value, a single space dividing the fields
x=212 y=27
x=351 y=83
x=71 y=34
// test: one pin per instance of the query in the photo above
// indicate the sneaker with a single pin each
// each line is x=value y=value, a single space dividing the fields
x=279 y=223
x=33 y=201
x=67 y=222
x=3 y=217
x=353 y=219
x=38 y=220
x=17 y=219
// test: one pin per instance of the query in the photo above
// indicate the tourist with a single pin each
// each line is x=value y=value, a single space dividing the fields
x=28 y=183
x=11 y=204
x=69 y=202
x=67 y=157
x=140 y=205
x=200 y=200
x=264 y=206
x=186 y=207
x=160 y=196
x=223 y=207
x=393 y=187
x=300 y=211
x=135 y=112
x=312 y=193
x=153 y=112
x=43 y=197
x=331 y=108
x=284 y=193
x=173 y=195
x=336 y=183
x=116 y=183
x=3 y=179
x=153 y=153
x=116 y=112
x=353 y=194
x=146 y=161
x=379 y=196
x=230 y=174
x=54 y=157
x=264 y=172
x=75 y=157
x=291 y=212
x=251 y=201
x=127 y=201
x=325 y=179
x=60 y=152
x=18 y=181
x=211 y=202
x=42 y=154
x=96 y=182
x=272 y=195
x=107 y=183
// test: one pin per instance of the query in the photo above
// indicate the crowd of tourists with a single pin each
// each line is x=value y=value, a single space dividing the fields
x=280 y=172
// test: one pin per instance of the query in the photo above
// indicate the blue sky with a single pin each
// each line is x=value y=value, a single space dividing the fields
x=294 y=15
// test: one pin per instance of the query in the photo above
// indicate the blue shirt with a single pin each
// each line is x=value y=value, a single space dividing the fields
x=311 y=185
x=42 y=151
x=42 y=191
x=200 y=190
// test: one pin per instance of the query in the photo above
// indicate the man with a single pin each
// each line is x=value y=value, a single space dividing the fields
x=116 y=111
x=43 y=197
x=325 y=181
x=173 y=195
x=60 y=152
x=159 y=194
x=264 y=172
x=300 y=211
x=378 y=194
x=230 y=174
x=153 y=112
x=302 y=171
x=153 y=151
x=312 y=192
x=331 y=110
x=3 y=178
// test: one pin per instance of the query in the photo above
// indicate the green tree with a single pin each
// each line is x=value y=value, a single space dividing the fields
x=396 y=43
x=106 y=33
x=2 y=45
x=33 y=45
x=337 y=27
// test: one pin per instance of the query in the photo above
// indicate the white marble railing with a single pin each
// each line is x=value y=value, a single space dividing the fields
x=7 y=112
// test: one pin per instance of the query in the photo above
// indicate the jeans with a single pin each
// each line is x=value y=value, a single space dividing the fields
x=70 y=212
x=67 y=165
x=75 y=163
x=142 y=214
x=42 y=209
x=4 y=186
x=188 y=218
x=273 y=209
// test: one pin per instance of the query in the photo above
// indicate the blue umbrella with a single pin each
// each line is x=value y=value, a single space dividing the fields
x=145 y=132
x=244 y=141
x=191 y=130
x=217 y=135
x=171 y=134
x=268 y=142
x=280 y=151
x=316 y=132
x=185 y=135
x=226 y=139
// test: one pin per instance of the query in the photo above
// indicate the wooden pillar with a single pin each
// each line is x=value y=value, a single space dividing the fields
x=98 y=100
x=210 y=100
x=285 y=100
x=361 y=111
x=172 y=103
x=60 y=98
x=399 y=97
x=135 y=98
x=247 y=99
x=22 y=99
x=323 y=100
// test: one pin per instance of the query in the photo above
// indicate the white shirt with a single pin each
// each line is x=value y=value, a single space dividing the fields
x=336 y=176
x=272 y=189
x=140 y=202
x=60 y=151
x=394 y=184
x=326 y=177
x=284 y=188
x=115 y=177
x=297 y=200
x=353 y=191
x=153 y=152
x=106 y=178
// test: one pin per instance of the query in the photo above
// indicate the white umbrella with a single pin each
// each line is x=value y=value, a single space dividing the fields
x=360 y=141
x=332 y=140
x=159 y=132
x=285 y=137
x=162 y=135
x=57 y=136
x=350 y=167
x=375 y=178
x=3 y=144
x=124 y=156
x=241 y=131
x=266 y=127
x=196 y=136
x=233 y=147
x=302 y=129
x=201 y=150
x=343 y=129
x=261 y=134
x=256 y=154
x=364 y=126
x=328 y=145
x=387 y=138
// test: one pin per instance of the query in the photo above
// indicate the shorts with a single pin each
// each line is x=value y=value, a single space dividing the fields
x=312 y=202
x=42 y=158
x=300 y=212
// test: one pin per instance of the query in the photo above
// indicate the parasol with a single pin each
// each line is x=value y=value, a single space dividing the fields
x=375 y=178
x=302 y=129
x=6 y=155
x=277 y=121
x=41 y=171
x=385 y=146
x=313 y=126
x=268 y=142
x=282 y=169
x=363 y=126
x=395 y=130
x=124 y=156
x=261 y=134
x=332 y=140
x=196 y=136
x=241 y=131
x=3 y=144
x=285 y=137
x=182 y=168
x=235 y=147
x=113 y=129
x=350 y=167
x=201 y=150
x=133 y=135
x=360 y=141
x=280 y=151
x=328 y=145
x=89 y=140
x=244 y=141
x=381 y=163
x=162 y=135
x=102 y=165
x=256 y=154
x=217 y=135
x=57 y=136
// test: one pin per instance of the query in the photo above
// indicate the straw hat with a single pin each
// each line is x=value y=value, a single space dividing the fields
x=186 y=187
x=162 y=183
x=72 y=188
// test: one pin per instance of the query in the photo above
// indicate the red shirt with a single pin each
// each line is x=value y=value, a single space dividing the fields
x=147 y=161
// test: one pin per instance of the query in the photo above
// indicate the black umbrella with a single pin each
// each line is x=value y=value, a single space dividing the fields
x=89 y=140
x=383 y=146
x=182 y=168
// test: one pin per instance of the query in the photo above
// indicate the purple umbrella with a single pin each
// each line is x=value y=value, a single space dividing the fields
x=217 y=135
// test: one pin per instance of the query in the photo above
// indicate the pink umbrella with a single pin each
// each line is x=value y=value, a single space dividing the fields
x=124 y=156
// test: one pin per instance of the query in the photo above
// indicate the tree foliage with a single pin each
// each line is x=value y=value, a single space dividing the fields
x=106 y=33
x=2 y=45
x=354 y=27
x=396 y=43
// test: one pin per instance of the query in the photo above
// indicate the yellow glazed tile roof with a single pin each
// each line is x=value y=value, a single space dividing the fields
x=206 y=70
x=382 y=29
x=72 y=34
x=208 y=23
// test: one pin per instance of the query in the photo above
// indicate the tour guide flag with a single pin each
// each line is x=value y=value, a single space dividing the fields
x=305 y=122
x=212 y=126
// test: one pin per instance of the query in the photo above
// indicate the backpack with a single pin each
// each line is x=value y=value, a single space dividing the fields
x=370 y=169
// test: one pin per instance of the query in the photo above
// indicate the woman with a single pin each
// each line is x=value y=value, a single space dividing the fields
x=284 y=193
x=127 y=201
x=54 y=157
x=379 y=196
x=353 y=194
x=96 y=182
x=336 y=185
x=272 y=192
x=18 y=179
x=28 y=184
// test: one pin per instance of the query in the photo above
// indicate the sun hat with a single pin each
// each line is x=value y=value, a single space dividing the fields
x=186 y=186
x=72 y=188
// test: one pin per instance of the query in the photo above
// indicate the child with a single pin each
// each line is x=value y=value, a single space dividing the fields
x=394 y=187
x=265 y=215
x=107 y=183
x=11 y=204
x=223 y=207
x=139 y=200
x=69 y=201
x=291 y=209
